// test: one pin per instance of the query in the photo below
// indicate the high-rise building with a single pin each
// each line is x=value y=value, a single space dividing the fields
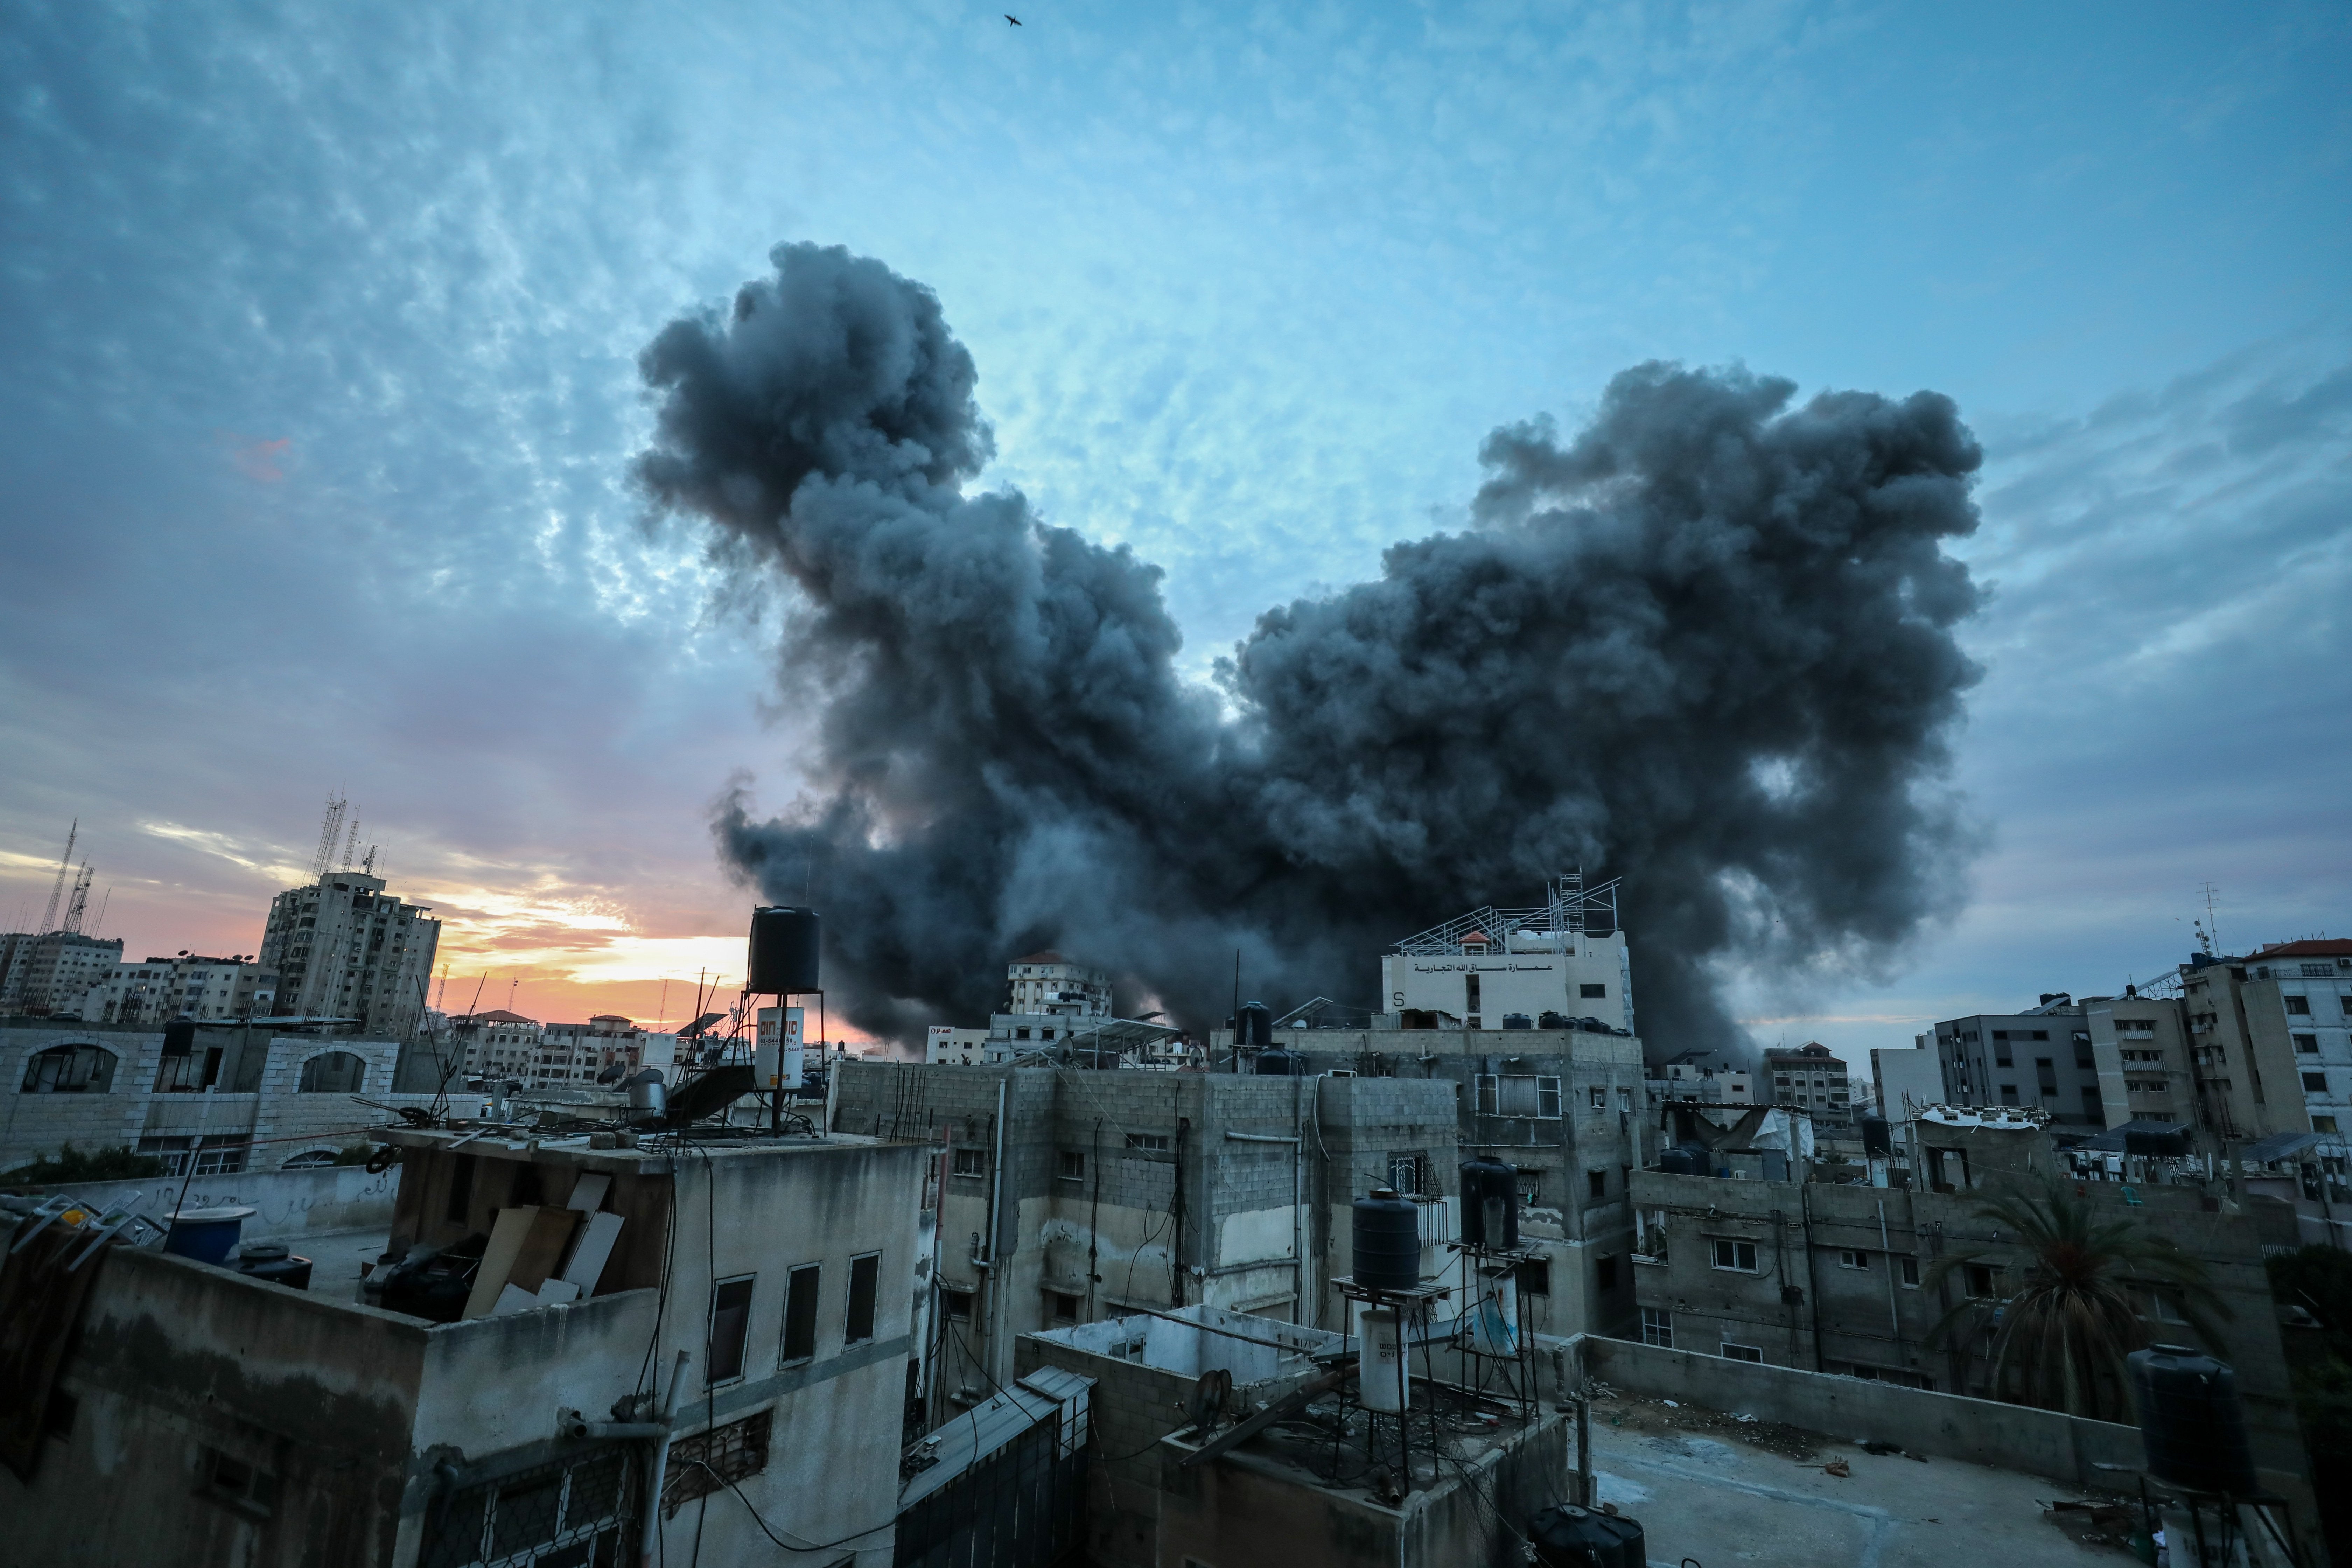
x=1905 y=1082
x=47 y=973
x=343 y=948
x=1811 y=1078
x=2267 y=1039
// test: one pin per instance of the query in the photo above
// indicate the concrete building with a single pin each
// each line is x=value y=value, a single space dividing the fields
x=42 y=973
x=1544 y=966
x=567 y=1055
x=1810 y=1078
x=2244 y=1016
x=156 y=990
x=343 y=948
x=945 y=1044
x=240 y=1097
x=1072 y=1196
x=496 y=1043
x=1830 y=1276
x=2140 y=1045
x=224 y=1419
x=1702 y=1077
x=1048 y=1000
x=2041 y=1055
x=1904 y=1083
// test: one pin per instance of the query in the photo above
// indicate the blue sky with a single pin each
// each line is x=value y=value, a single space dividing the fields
x=319 y=324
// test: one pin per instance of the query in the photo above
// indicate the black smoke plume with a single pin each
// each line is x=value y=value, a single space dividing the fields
x=1705 y=644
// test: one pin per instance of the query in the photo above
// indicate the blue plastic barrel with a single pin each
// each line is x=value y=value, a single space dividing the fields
x=208 y=1236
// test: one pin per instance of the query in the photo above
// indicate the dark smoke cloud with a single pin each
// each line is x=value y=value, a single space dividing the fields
x=1705 y=644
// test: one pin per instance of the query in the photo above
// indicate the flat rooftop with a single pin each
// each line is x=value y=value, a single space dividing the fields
x=1706 y=1484
x=655 y=1153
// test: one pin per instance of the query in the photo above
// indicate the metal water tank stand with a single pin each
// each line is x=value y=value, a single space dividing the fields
x=1517 y=1370
x=1412 y=1308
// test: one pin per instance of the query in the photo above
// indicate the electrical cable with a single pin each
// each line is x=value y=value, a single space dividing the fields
x=763 y=1523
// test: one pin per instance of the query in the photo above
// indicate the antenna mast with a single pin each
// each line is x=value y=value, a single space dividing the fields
x=351 y=842
x=2213 y=927
x=327 y=831
x=78 y=905
x=65 y=864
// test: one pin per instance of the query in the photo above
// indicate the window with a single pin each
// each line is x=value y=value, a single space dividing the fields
x=1736 y=1255
x=1149 y=1143
x=2346 y=1000
x=1658 y=1328
x=1600 y=1098
x=2315 y=1083
x=1910 y=1266
x=1604 y=1274
x=1521 y=1094
x=865 y=1273
x=2009 y=1094
x=1741 y=1353
x=1591 y=991
x=332 y=1072
x=309 y=1159
x=69 y=1069
x=2000 y=1058
x=955 y=1305
x=1065 y=1306
x=2323 y=1125
x=799 y=1313
x=1980 y=1280
x=2316 y=971
x=730 y=1316
x=246 y=1490
x=218 y=1156
x=1407 y=1173
x=706 y=1462
x=1073 y=1165
x=972 y=1161
x=2299 y=1006
x=1596 y=1184
x=1535 y=1277
x=1851 y=1258
x=2307 y=1044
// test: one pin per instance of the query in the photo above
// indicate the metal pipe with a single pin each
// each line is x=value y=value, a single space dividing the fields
x=1887 y=1250
x=1260 y=1138
x=658 y=1469
x=995 y=1208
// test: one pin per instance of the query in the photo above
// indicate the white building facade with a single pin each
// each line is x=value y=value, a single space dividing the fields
x=157 y=990
x=1553 y=966
x=51 y=971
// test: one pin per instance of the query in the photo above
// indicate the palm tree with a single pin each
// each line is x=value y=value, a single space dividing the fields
x=2060 y=1337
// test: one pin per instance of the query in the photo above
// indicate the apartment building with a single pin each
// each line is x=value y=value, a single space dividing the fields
x=496 y=1044
x=343 y=948
x=2041 y=1055
x=570 y=1055
x=1812 y=1078
x=1905 y=1082
x=156 y=990
x=43 y=973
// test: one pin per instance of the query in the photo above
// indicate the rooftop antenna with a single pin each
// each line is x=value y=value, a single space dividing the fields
x=2212 y=926
x=78 y=905
x=104 y=899
x=367 y=867
x=351 y=842
x=65 y=864
x=328 y=830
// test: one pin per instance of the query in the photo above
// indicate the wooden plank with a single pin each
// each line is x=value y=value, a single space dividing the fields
x=543 y=1249
x=508 y=1233
x=586 y=1265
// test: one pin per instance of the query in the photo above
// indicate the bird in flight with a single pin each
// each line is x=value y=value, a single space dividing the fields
x=1012 y=18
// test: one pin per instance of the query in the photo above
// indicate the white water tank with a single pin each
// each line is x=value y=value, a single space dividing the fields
x=1383 y=1378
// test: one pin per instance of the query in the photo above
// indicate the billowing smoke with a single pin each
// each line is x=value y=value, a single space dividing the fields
x=1705 y=643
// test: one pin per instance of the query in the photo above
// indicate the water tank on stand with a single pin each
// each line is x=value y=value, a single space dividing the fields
x=783 y=958
x=1254 y=1026
x=1490 y=1203
x=1567 y=1537
x=1387 y=1242
x=1384 y=1372
x=2190 y=1421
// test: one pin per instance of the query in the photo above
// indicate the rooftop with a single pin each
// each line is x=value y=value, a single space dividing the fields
x=2309 y=947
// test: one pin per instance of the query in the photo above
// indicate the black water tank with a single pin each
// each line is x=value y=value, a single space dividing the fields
x=1275 y=1062
x=1490 y=1203
x=784 y=951
x=2171 y=1145
x=179 y=1036
x=2190 y=1421
x=1387 y=1242
x=1877 y=1138
x=1254 y=1026
x=1584 y=1538
x=1517 y=1021
x=1681 y=1161
x=1552 y=1021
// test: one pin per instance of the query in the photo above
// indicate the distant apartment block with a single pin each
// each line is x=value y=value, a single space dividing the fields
x=569 y=1055
x=496 y=1044
x=157 y=990
x=947 y=1045
x=1811 y=1078
x=343 y=948
x=1701 y=1077
x=2042 y=1055
x=43 y=973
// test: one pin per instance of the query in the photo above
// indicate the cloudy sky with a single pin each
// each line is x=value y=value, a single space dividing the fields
x=320 y=327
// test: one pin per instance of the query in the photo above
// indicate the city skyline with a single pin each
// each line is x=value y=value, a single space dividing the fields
x=321 y=475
